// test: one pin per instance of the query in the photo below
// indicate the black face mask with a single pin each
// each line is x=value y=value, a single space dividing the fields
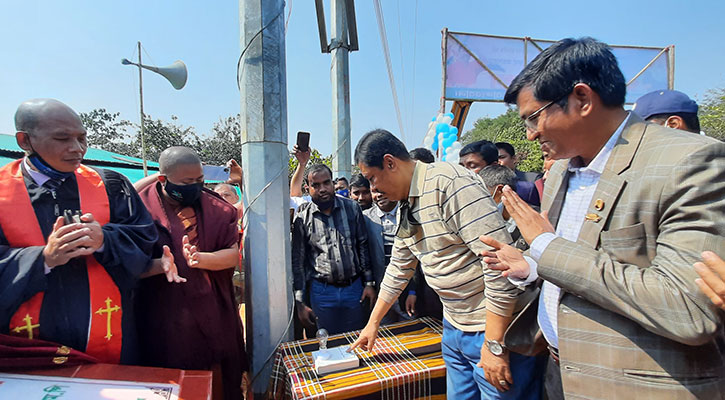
x=184 y=194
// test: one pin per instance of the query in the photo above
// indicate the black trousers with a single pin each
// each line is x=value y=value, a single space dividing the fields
x=553 y=389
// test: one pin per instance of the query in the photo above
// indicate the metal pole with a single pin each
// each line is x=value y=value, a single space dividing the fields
x=340 y=77
x=263 y=120
x=444 y=51
x=140 y=94
x=671 y=67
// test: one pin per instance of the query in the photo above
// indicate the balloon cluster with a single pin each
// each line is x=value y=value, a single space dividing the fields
x=444 y=136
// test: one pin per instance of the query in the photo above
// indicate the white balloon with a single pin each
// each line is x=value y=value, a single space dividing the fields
x=446 y=119
x=450 y=150
x=430 y=124
x=456 y=145
x=453 y=158
x=428 y=141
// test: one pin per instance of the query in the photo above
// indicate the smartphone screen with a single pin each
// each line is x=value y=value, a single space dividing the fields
x=303 y=140
x=216 y=173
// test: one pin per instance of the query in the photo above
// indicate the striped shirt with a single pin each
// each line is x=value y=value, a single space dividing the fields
x=453 y=208
x=332 y=247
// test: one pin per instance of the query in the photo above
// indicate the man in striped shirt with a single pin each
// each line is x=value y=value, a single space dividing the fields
x=443 y=210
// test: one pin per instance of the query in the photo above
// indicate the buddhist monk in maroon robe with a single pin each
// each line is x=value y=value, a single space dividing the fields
x=192 y=325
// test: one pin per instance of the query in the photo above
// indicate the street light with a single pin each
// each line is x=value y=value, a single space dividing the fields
x=174 y=73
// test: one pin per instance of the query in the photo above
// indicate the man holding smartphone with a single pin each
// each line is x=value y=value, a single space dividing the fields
x=330 y=258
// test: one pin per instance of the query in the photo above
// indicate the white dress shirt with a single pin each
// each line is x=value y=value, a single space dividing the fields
x=583 y=183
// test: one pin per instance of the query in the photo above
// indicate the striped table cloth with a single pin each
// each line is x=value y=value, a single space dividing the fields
x=405 y=364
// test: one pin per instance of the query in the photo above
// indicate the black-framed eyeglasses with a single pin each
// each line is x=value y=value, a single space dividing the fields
x=532 y=121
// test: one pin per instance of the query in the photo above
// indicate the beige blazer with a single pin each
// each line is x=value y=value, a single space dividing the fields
x=632 y=322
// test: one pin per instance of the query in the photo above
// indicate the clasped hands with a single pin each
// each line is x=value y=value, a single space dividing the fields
x=531 y=224
x=69 y=241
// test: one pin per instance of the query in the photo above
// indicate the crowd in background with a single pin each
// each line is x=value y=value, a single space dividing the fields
x=597 y=277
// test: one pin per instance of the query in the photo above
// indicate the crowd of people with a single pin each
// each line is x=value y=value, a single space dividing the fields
x=598 y=277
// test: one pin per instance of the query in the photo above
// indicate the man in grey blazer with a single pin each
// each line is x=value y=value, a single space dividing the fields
x=628 y=209
x=381 y=224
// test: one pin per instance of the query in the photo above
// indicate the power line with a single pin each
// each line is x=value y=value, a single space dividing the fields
x=402 y=69
x=415 y=37
x=386 y=51
x=289 y=14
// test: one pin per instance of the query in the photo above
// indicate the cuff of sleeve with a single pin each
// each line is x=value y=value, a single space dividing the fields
x=538 y=246
x=46 y=268
x=502 y=308
x=411 y=292
x=100 y=249
x=533 y=274
x=300 y=296
x=385 y=295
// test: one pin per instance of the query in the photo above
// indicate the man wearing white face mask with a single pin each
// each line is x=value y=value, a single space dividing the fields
x=496 y=177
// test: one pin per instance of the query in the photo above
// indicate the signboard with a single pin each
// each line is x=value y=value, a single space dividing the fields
x=481 y=67
x=32 y=387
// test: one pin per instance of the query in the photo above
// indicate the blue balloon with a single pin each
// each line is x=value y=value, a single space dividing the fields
x=434 y=118
x=450 y=115
x=434 y=145
x=449 y=133
x=443 y=158
x=441 y=127
x=447 y=142
x=454 y=130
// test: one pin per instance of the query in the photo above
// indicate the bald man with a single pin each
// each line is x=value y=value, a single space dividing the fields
x=194 y=325
x=69 y=281
x=227 y=192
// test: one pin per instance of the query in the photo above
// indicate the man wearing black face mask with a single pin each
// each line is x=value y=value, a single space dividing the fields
x=330 y=260
x=194 y=325
x=69 y=282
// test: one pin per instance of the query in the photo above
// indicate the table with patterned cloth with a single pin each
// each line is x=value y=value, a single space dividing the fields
x=405 y=364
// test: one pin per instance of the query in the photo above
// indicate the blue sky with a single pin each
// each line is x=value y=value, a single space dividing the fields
x=71 y=51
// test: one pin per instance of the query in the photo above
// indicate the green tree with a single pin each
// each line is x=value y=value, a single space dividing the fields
x=507 y=127
x=161 y=135
x=105 y=131
x=712 y=114
x=315 y=158
x=223 y=144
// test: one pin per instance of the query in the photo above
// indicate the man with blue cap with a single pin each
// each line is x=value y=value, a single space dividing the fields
x=669 y=108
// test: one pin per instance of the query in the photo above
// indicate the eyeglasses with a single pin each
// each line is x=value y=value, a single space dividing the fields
x=532 y=121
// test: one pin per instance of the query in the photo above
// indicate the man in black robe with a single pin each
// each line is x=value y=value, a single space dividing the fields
x=54 y=140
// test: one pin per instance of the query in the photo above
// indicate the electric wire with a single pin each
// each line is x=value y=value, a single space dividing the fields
x=289 y=14
x=386 y=53
x=250 y=204
x=249 y=44
x=415 y=37
x=405 y=115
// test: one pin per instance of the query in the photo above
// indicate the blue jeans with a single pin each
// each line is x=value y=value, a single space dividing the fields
x=338 y=309
x=464 y=380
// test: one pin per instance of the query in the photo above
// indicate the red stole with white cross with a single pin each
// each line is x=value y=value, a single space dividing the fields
x=21 y=229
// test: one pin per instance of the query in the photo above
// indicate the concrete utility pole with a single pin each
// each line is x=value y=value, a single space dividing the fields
x=263 y=122
x=340 y=77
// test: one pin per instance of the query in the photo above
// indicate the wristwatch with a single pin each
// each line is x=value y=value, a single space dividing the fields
x=371 y=283
x=495 y=347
